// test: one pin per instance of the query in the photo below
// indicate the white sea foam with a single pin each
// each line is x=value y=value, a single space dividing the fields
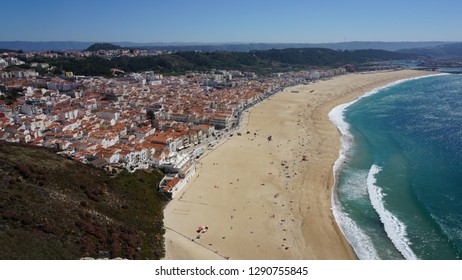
x=357 y=238
x=356 y=188
x=394 y=228
x=336 y=117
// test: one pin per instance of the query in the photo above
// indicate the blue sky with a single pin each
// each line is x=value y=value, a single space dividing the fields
x=276 y=21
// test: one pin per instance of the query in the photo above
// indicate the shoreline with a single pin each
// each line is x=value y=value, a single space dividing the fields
x=336 y=117
x=271 y=199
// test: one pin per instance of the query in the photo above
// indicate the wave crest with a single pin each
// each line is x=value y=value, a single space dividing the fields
x=395 y=229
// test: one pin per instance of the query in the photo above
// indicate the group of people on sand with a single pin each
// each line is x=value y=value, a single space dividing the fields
x=201 y=229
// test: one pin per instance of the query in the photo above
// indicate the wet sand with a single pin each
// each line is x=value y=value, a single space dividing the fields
x=271 y=199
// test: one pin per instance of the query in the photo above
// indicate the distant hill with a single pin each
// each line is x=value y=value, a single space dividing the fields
x=268 y=61
x=245 y=47
x=6 y=50
x=447 y=51
x=103 y=46
x=355 y=45
x=328 y=57
x=45 y=45
x=377 y=45
x=56 y=208
x=265 y=61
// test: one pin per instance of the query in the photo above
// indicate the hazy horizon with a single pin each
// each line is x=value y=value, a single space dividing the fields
x=230 y=42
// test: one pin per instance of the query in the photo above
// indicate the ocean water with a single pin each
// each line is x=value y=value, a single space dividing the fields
x=398 y=191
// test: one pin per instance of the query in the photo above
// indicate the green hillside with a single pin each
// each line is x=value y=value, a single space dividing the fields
x=103 y=46
x=268 y=61
x=55 y=208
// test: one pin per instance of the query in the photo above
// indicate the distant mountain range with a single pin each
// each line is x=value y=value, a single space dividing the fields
x=355 y=45
x=447 y=51
x=432 y=49
x=44 y=45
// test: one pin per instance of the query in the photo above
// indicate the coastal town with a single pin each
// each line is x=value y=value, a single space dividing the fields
x=233 y=139
x=133 y=120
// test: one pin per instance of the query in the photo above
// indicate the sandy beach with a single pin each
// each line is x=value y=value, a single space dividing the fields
x=260 y=199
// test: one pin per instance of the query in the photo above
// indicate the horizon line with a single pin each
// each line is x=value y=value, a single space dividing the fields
x=231 y=42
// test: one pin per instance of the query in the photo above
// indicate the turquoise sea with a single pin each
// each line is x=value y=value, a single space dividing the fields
x=398 y=188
